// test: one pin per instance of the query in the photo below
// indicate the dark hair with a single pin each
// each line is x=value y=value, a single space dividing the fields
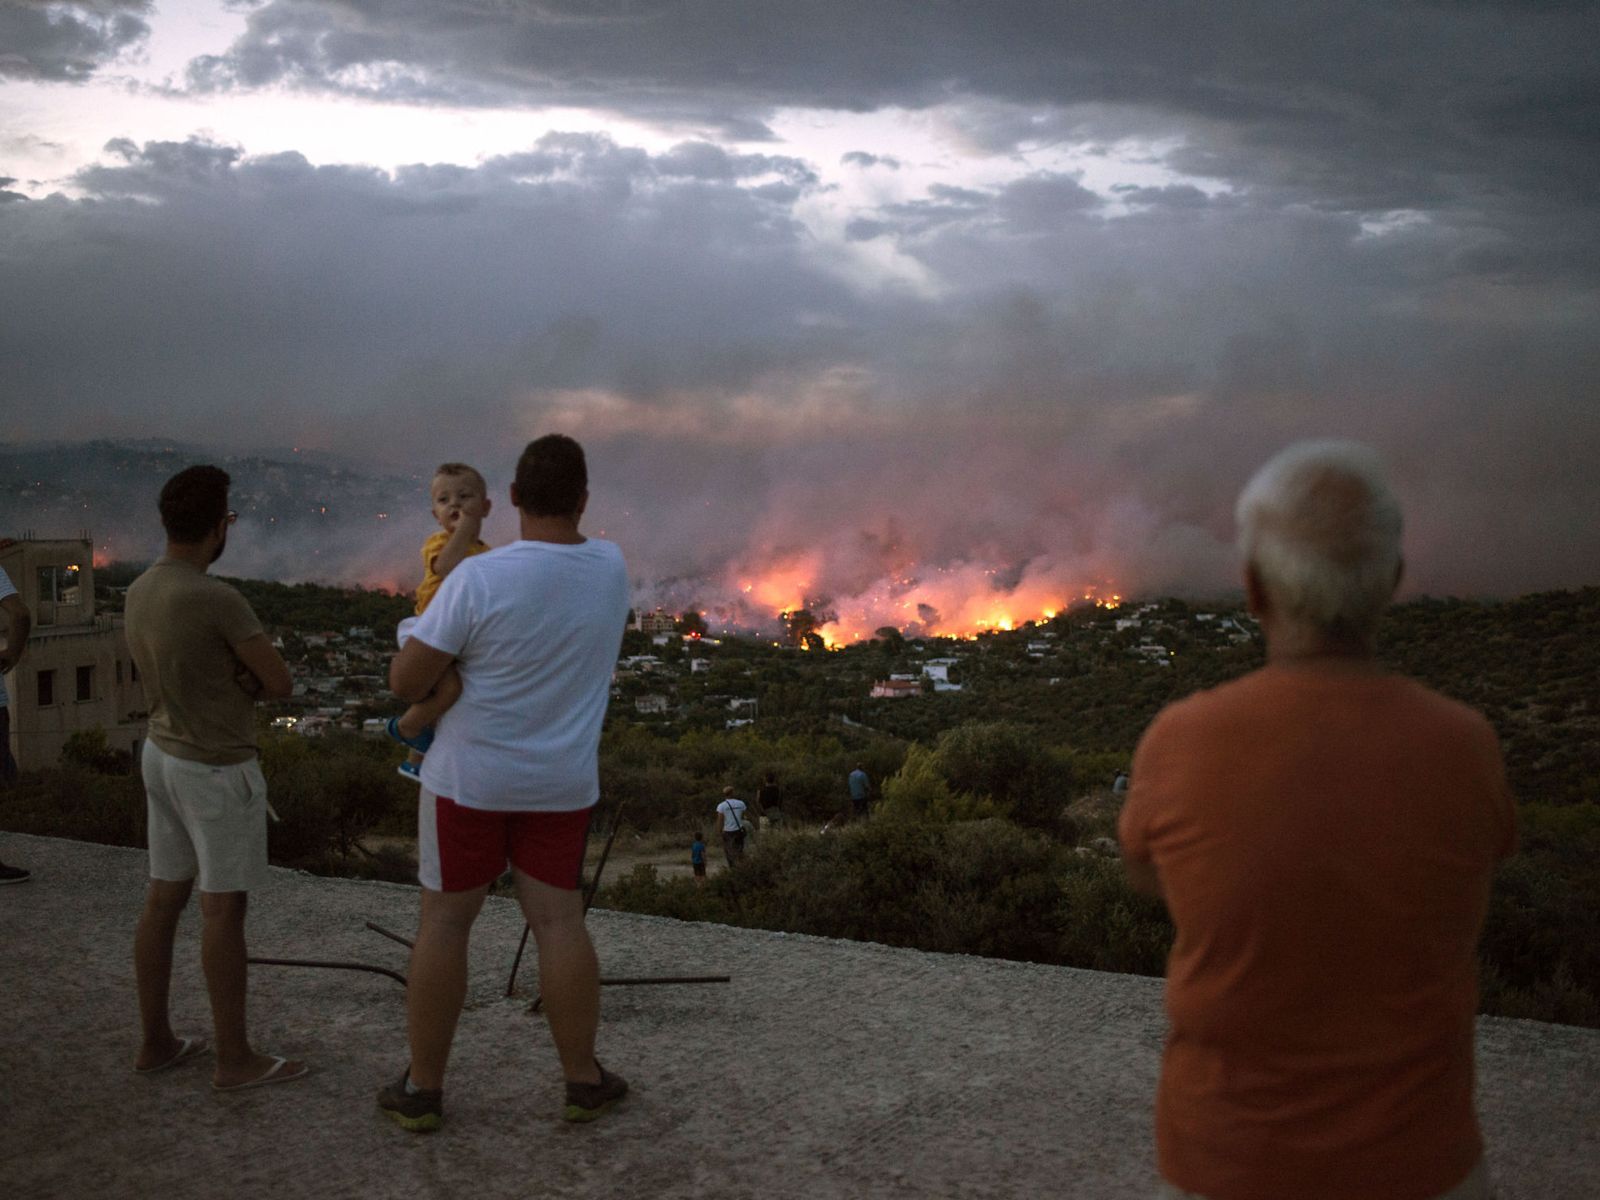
x=193 y=503
x=551 y=477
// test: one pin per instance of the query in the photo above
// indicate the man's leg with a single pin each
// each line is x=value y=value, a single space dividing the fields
x=437 y=981
x=8 y=763
x=569 y=972
x=164 y=903
x=222 y=957
x=8 y=776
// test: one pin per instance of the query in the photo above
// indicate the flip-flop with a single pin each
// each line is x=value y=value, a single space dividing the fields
x=189 y=1047
x=273 y=1074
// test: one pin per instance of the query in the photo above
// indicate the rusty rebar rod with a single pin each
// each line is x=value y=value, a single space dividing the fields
x=331 y=966
x=393 y=937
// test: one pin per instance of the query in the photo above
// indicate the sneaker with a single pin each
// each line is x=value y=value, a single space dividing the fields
x=14 y=874
x=586 y=1101
x=408 y=771
x=421 y=1111
x=420 y=743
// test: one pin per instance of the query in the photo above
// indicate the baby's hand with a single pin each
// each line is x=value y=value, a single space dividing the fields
x=469 y=514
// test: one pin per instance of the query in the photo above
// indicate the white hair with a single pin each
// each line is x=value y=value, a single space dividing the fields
x=1321 y=527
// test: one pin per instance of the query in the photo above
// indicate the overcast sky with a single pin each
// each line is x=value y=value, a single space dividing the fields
x=1004 y=294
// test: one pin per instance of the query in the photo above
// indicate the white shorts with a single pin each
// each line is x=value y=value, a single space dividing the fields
x=205 y=820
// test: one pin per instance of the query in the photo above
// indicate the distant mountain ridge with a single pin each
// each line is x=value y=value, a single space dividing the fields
x=302 y=515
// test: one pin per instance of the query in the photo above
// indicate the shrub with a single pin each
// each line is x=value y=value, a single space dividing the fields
x=977 y=887
x=919 y=792
x=72 y=802
x=89 y=749
x=328 y=793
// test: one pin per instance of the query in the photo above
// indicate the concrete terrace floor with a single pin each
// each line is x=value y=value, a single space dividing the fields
x=824 y=1069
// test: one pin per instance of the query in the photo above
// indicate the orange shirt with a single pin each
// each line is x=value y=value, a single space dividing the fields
x=1325 y=841
x=431 y=579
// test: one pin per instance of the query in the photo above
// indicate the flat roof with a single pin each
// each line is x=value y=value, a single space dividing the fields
x=826 y=1068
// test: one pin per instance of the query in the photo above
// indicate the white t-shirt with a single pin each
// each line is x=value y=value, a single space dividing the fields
x=535 y=628
x=732 y=816
x=6 y=589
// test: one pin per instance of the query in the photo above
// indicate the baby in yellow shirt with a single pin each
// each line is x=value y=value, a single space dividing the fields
x=460 y=502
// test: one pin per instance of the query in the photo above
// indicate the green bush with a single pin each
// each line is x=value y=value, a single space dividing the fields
x=73 y=802
x=1541 y=940
x=91 y=750
x=920 y=792
x=982 y=769
x=975 y=887
x=329 y=793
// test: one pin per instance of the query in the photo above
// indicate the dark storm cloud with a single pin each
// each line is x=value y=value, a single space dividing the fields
x=1378 y=103
x=67 y=41
x=1071 y=393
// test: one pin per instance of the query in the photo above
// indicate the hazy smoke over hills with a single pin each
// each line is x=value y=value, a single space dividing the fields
x=932 y=313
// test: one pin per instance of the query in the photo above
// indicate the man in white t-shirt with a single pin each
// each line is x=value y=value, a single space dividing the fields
x=734 y=826
x=19 y=622
x=513 y=774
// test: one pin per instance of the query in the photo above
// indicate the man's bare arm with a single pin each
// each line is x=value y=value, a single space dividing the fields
x=266 y=667
x=19 y=623
x=416 y=670
x=1142 y=878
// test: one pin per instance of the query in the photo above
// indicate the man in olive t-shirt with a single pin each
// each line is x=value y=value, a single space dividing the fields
x=204 y=660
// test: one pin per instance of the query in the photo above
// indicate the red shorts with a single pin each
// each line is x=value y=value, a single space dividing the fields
x=461 y=848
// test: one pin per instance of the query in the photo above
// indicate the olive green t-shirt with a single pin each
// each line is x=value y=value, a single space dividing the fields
x=182 y=626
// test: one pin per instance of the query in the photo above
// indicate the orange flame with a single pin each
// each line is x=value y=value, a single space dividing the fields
x=959 y=601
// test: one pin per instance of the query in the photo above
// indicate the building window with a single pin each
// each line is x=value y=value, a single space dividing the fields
x=58 y=586
x=133 y=671
x=119 y=672
x=47 y=688
x=85 y=683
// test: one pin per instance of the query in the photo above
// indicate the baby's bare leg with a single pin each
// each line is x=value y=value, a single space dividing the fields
x=428 y=710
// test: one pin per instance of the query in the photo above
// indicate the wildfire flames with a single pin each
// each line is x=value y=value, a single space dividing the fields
x=957 y=601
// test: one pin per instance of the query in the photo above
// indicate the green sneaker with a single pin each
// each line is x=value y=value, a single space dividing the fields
x=420 y=1111
x=587 y=1101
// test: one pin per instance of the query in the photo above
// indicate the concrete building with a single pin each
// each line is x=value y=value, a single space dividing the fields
x=77 y=674
x=658 y=622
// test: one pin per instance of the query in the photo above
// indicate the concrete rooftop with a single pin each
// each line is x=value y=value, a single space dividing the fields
x=824 y=1069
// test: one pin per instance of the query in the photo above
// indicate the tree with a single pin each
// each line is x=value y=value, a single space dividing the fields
x=692 y=624
x=797 y=623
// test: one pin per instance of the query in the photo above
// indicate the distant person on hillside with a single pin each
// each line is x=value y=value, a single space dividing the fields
x=1323 y=833
x=513 y=776
x=769 y=802
x=697 y=857
x=204 y=661
x=460 y=499
x=734 y=825
x=860 y=791
x=19 y=621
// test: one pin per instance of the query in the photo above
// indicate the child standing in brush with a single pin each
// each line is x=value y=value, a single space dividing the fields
x=697 y=857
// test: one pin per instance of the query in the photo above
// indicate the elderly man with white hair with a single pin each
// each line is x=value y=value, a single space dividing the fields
x=1323 y=833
